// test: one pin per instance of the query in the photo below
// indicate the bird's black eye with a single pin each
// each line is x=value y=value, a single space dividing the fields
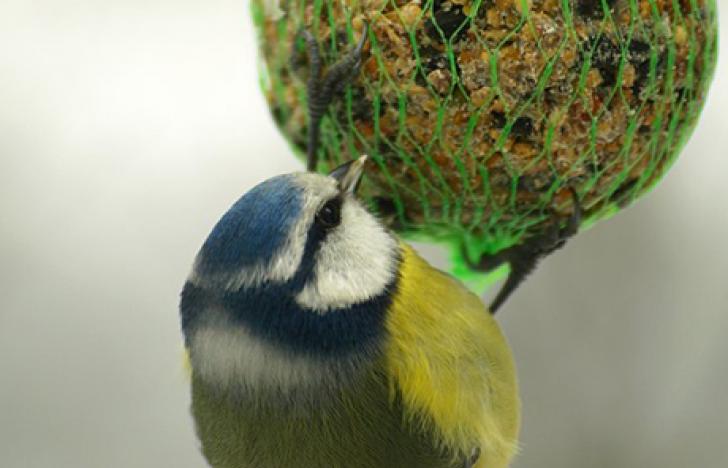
x=329 y=215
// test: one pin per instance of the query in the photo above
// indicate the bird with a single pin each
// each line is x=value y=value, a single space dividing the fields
x=316 y=338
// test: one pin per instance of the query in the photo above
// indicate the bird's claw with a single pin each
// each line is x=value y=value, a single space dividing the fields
x=322 y=89
x=524 y=257
x=556 y=236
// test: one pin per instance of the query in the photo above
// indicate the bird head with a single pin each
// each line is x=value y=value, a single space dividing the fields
x=296 y=272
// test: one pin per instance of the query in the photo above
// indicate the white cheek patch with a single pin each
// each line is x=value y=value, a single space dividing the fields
x=285 y=262
x=355 y=263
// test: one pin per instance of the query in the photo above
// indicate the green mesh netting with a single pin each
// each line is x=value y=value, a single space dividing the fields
x=479 y=115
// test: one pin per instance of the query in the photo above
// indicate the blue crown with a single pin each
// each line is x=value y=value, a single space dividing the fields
x=254 y=228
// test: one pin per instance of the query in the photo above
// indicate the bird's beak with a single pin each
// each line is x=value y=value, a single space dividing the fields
x=349 y=174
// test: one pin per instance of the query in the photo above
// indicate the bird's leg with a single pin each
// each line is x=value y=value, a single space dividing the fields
x=322 y=89
x=472 y=459
x=523 y=258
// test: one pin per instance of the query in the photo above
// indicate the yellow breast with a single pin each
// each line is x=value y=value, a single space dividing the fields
x=450 y=362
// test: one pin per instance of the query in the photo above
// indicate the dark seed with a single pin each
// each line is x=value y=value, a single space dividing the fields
x=449 y=22
x=434 y=61
x=606 y=59
x=639 y=57
x=593 y=8
x=498 y=119
x=682 y=94
x=522 y=127
x=594 y=167
x=535 y=183
x=621 y=196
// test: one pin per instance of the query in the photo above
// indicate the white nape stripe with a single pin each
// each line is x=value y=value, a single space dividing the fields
x=285 y=262
x=356 y=262
x=228 y=356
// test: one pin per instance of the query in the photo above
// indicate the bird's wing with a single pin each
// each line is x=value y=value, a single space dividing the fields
x=186 y=364
x=451 y=365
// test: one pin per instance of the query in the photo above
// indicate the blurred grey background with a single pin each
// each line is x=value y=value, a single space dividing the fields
x=127 y=127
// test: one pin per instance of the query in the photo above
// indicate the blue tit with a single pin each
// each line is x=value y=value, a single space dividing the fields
x=317 y=339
